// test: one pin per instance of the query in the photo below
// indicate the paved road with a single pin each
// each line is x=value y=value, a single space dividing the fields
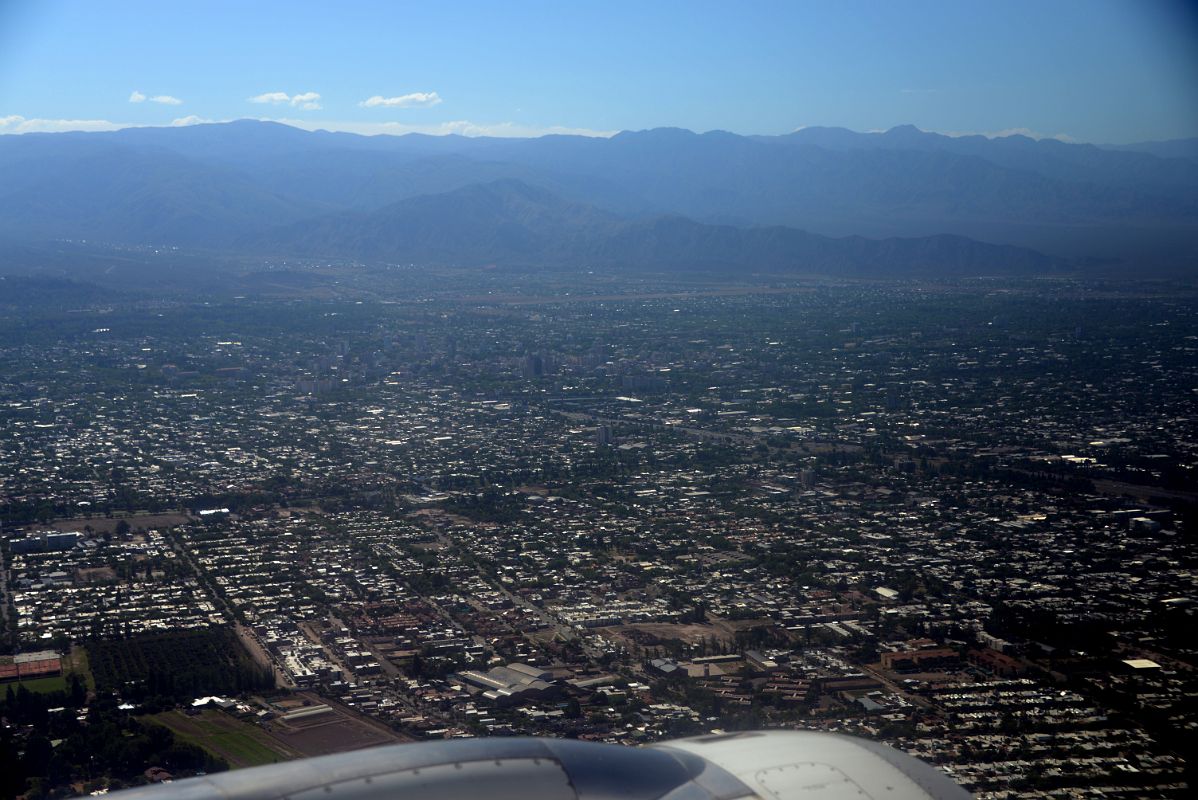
x=262 y=655
x=310 y=631
x=3 y=592
x=1142 y=491
x=703 y=433
x=248 y=638
x=566 y=632
x=894 y=687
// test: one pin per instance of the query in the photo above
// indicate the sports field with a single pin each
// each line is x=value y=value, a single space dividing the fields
x=54 y=683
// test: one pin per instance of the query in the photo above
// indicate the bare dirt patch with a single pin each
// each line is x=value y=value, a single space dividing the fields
x=108 y=524
x=337 y=731
x=95 y=574
x=691 y=632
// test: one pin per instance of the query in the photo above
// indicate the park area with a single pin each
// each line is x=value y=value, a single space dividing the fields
x=303 y=726
x=242 y=744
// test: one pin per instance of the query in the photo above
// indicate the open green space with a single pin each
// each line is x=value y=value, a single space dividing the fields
x=239 y=743
x=76 y=661
x=54 y=683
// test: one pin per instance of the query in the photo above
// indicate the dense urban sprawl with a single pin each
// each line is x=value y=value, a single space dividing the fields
x=960 y=518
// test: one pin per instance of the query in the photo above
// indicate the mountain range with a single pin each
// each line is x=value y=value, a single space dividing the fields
x=819 y=199
x=510 y=222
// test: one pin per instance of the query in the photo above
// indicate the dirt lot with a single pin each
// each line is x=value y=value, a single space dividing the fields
x=338 y=731
x=935 y=678
x=642 y=634
x=693 y=632
x=95 y=574
x=102 y=524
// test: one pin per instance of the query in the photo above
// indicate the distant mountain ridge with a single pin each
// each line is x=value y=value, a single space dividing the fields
x=511 y=222
x=224 y=186
x=1172 y=148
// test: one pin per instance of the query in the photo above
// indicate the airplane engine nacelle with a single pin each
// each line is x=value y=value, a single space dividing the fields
x=768 y=765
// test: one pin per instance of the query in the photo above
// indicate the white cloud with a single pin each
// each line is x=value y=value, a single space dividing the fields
x=165 y=99
x=459 y=127
x=1028 y=132
x=413 y=100
x=307 y=101
x=15 y=123
x=274 y=98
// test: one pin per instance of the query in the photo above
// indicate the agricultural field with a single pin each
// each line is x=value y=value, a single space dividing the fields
x=242 y=744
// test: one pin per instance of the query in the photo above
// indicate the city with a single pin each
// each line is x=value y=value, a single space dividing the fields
x=682 y=400
x=954 y=516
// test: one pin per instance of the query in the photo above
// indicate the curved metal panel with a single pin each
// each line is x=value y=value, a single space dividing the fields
x=809 y=764
x=774 y=765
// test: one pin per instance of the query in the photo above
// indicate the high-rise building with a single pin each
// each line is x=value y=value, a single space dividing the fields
x=603 y=435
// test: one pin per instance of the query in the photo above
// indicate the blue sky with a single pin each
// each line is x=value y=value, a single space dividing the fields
x=1091 y=70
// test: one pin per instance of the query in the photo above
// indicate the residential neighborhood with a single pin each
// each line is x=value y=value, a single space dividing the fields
x=967 y=532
